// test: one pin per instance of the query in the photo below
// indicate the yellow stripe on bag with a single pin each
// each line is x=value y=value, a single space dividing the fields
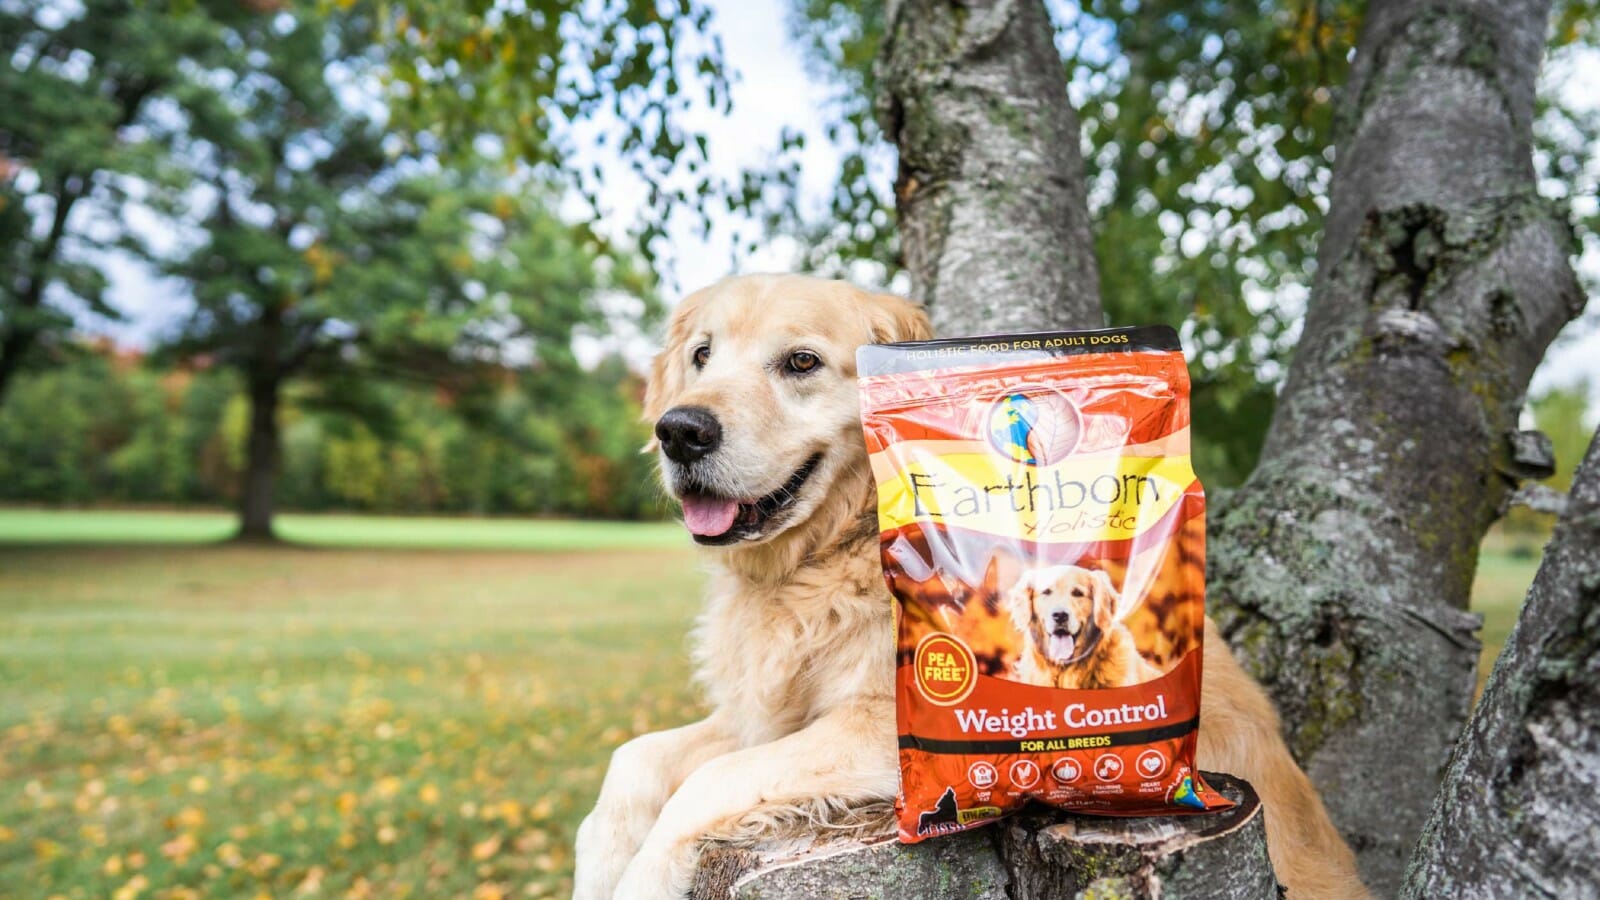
x=1079 y=500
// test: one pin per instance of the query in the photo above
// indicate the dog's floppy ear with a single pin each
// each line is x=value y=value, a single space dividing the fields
x=1015 y=593
x=1002 y=572
x=667 y=370
x=893 y=318
x=1107 y=602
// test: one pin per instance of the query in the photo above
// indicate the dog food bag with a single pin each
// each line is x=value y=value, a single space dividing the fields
x=1043 y=534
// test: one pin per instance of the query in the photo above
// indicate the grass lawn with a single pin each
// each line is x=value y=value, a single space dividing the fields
x=1506 y=567
x=42 y=526
x=238 y=720
x=235 y=720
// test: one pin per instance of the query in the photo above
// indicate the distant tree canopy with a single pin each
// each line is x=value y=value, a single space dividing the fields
x=109 y=427
x=1563 y=413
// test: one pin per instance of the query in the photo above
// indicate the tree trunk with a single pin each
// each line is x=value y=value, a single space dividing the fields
x=13 y=344
x=1340 y=571
x=994 y=225
x=1517 y=814
x=18 y=336
x=264 y=374
x=1038 y=855
x=257 y=493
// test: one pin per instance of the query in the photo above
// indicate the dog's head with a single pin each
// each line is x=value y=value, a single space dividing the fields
x=754 y=401
x=1064 y=610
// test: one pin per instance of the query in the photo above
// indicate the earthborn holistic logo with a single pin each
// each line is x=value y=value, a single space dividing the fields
x=944 y=669
x=1033 y=425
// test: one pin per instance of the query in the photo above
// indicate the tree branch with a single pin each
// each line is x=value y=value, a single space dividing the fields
x=1516 y=815
x=991 y=196
x=1341 y=571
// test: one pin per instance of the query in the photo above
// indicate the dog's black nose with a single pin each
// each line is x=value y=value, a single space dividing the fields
x=1059 y=617
x=688 y=432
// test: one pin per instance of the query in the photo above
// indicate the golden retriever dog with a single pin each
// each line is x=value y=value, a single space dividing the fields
x=1072 y=630
x=756 y=422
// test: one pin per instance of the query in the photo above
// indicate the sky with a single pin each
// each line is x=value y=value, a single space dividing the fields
x=772 y=90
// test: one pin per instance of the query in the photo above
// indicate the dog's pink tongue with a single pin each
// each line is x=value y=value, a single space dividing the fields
x=709 y=516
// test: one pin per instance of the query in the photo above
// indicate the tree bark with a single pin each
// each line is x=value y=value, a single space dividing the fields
x=994 y=224
x=1341 y=570
x=257 y=495
x=14 y=343
x=1039 y=855
x=264 y=373
x=1517 y=814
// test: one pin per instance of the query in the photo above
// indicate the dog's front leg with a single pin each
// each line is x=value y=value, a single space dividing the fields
x=643 y=774
x=845 y=757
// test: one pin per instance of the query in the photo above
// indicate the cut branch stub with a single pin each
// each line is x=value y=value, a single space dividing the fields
x=1040 y=854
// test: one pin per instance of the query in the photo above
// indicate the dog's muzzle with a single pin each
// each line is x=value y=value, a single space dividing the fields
x=716 y=519
x=1069 y=641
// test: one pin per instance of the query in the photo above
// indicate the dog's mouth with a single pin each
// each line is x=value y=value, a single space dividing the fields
x=1068 y=642
x=1061 y=645
x=713 y=519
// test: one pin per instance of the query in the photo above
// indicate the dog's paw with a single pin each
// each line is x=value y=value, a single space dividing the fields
x=598 y=861
x=654 y=875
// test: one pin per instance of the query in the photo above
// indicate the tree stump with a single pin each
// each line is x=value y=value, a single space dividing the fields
x=1037 y=855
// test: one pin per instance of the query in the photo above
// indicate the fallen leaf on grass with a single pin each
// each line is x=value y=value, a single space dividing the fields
x=132 y=889
x=180 y=847
x=485 y=849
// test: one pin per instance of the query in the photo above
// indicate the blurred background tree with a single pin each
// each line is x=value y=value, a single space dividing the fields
x=81 y=133
x=330 y=254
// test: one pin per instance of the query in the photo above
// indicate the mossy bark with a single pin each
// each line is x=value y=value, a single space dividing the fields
x=994 y=225
x=1517 y=814
x=1341 y=570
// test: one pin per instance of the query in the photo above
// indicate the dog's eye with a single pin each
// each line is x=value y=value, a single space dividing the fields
x=1077 y=592
x=1048 y=591
x=803 y=361
x=702 y=355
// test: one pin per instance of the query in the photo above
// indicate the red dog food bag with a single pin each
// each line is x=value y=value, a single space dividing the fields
x=1043 y=534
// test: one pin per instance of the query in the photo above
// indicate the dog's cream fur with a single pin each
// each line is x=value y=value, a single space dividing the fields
x=795 y=648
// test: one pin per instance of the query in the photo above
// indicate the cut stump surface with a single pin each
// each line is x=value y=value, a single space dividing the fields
x=1037 y=855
